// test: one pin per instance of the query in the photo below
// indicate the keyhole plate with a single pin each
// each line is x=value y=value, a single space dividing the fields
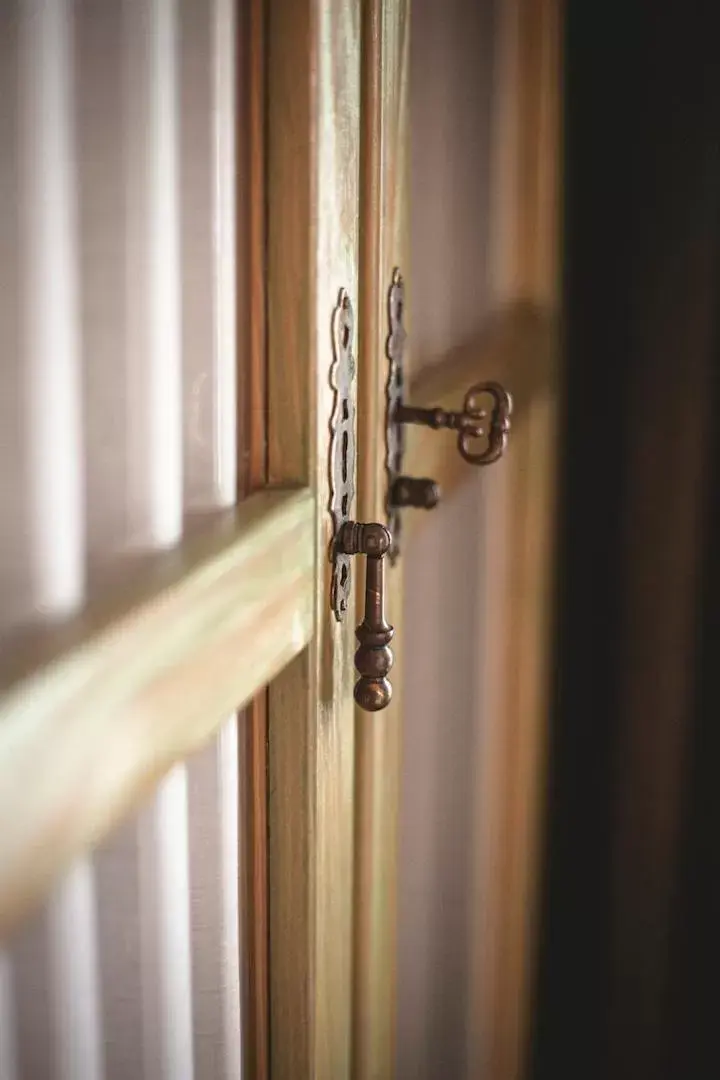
x=394 y=432
x=342 y=446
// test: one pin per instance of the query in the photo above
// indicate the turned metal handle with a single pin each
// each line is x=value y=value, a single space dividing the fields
x=374 y=657
x=470 y=423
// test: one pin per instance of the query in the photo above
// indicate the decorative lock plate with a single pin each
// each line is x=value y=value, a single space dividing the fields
x=342 y=444
x=374 y=657
x=483 y=426
x=394 y=433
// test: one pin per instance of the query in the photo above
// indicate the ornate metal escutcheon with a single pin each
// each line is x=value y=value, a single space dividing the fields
x=374 y=657
x=394 y=433
x=342 y=443
x=483 y=426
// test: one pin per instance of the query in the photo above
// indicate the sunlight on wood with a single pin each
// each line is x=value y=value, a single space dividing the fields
x=95 y=711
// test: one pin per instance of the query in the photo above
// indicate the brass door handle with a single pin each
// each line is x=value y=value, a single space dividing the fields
x=374 y=657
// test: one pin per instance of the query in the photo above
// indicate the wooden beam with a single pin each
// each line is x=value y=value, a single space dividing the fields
x=92 y=713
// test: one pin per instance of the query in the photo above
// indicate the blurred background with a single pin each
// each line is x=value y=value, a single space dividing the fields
x=627 y=923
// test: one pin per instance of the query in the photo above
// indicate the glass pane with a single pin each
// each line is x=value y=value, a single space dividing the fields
x=118 y=240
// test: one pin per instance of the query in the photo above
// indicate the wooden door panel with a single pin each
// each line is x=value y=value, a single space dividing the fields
x=313 y=79
x=383 y=247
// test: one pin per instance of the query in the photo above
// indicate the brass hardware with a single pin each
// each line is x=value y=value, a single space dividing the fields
x=374 y=657
x=410 y=491
x=394 y=433
x=470 y=424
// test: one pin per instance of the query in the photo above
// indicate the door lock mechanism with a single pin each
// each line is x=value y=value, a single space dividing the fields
x=374 y=657
x=483 y=426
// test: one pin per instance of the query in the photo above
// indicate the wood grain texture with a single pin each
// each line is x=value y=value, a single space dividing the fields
x=510 y=803
x=383 y=246
x=518 y=347
x=255 y=912
x=252 y=253
x=525 y=160
x=93 y=713
x=313 y=138
x=519 y=562
x=538 y=142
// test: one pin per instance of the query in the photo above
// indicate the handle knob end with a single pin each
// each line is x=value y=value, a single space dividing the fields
x=373 y=661
x=374 y=657
x=372 y=695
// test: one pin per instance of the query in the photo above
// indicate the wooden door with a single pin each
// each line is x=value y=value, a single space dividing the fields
x=226 y=624
x=335 y=204
x=117 y=685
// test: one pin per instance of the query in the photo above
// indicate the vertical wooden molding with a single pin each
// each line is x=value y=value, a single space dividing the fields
x=252 y=258
x=383 y=246
x=525 y=151
x=518 y=565
x=504 y=225
x=313 y=112
x=254 y=938
x=252 y=474
x=539 y=149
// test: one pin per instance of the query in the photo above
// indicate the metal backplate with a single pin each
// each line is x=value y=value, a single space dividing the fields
x=394 y=432
x=342 y=445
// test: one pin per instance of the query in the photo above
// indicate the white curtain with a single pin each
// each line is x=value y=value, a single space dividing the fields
x=118 y=408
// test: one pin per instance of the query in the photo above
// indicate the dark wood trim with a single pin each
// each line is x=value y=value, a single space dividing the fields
x=625 y=898
x=252 y=475
x=256 y=1041
x=254 y=465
